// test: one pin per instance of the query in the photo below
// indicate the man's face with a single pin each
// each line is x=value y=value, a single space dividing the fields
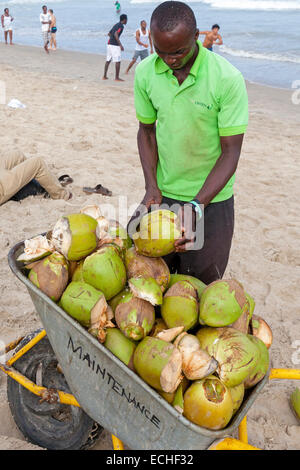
x=143 y=24
x=175 y=47
x=45 y=10
x=215 y=30
x=6 y=11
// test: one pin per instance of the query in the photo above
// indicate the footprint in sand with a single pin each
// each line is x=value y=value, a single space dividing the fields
x=81 y=146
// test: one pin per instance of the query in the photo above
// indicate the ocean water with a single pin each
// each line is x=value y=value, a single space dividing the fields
x=261 y=37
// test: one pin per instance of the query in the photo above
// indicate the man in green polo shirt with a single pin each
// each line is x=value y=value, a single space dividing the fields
x=192 y=109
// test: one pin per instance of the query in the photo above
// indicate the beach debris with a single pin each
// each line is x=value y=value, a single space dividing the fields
x=15 y=104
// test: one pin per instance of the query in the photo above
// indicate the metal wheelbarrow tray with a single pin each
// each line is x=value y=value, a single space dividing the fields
x=110 y=393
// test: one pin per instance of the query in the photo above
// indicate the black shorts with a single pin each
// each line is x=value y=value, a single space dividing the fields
x=209 y=263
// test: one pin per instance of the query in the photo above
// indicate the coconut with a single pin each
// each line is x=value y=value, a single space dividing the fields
x=158 y=363
x=78 y=274
x=237 y=395
x=199 y=285
x=114 y=302
x=196 y=363
x=120 y=346
x=263 y=363
x=169 y=334
x=180 y=306
x=261 y=329
x=50 y=275
x=88 y=306
x=222 y=303
x=159 y=325
x=105 y=271
x=170 y=397
x=143 y=266
x=208 y=337
x=75 y=236
x=35 y=249
x=242 y=323
x=208 y=403
x=135 y=317
x=116 y=230
x=146 y=289
x=295 y=402
x=157 y=233
x=237 y=356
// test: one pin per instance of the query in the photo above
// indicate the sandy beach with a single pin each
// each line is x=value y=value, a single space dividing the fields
x=86 y=127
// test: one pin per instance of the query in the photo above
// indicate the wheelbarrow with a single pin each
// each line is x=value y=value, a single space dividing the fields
x=64 y=387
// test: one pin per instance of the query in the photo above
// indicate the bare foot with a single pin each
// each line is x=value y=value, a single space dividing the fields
x=119 y=80
x=104 y=78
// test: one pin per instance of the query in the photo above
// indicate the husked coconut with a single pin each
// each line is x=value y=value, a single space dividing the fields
x=135 y=317
x=180 y=306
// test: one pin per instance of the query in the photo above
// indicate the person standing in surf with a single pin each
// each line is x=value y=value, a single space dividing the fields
x=6 y=21
x=212 y=37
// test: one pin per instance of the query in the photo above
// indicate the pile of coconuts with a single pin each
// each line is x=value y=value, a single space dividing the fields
x=200 y=347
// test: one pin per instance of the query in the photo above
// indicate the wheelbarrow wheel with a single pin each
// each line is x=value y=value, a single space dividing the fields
x=51 y=426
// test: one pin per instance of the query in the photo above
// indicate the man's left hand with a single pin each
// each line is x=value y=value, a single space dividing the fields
x=187 y=216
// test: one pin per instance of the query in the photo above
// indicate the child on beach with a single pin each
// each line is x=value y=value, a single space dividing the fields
x=6 y=21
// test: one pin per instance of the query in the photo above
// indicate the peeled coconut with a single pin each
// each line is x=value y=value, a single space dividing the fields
x=50 y=275
x=237 y=395
x=35 y=249
x=157 y=233
x=123 y=348
x=105 y=271
x=114 y=302
x=260 y=328
x=222 y=303
x=180 y=306
x=75 y=236
x=159 y=325
x=88 y=306
x=199 y=285
x=263 y=363
x=170 y=397
x=142 y=266
x=146 y=289
x=169 y=334
x=208 y=403
x=135 y=317
x=158 y=363
x=196 y=363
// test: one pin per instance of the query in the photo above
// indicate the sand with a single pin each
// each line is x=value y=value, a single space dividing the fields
x=86 y=127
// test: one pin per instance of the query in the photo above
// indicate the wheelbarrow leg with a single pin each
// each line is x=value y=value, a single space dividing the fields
x=243 y=434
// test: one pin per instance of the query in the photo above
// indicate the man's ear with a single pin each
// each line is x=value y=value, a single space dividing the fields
x=196 y=34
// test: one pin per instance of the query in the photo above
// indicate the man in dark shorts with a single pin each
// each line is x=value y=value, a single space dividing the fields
x=212 y=37
x=115 y=48
x=192 y=109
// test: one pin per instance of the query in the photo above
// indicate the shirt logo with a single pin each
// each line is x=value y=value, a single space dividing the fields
x=207 y=106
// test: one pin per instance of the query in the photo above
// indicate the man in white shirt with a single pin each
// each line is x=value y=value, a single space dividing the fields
x=6 y=21
x=45 y=19
x=143 y=39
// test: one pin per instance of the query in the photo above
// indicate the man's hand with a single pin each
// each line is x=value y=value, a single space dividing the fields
x=152 y=196
x=122 y=48
x=187 y=216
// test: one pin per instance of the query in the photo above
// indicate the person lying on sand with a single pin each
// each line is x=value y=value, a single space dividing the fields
x=21 y=177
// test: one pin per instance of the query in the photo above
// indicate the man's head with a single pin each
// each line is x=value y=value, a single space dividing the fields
x=123 y=18
x=174 y=33
x=215 y=28
x=143 y=24
x=6 y=11
x=44 y=8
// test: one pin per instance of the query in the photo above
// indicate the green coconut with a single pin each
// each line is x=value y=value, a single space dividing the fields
x=207 y=337
x=75 y=236
x=50 y=275
x=196 y=283
x=157 y=233
x=116 y=230
x=79 y=299
x=35 y=249
x=171 y=398
x=105 y=271
x=208 y=403
x=123 y=348
x=180 y=306
x=158 y=363
x=222 y=303
x=196 y=363
x=146 y=289
x=135 y=317
x=114 y=302
x=263 y=363
x=237 y=356
x=260 y=328
x=142 y=266
x=295 y=402
x=78 y=272
x=237 y=395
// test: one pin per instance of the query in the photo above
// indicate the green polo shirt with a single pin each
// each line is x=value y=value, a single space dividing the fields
x=190 y=118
